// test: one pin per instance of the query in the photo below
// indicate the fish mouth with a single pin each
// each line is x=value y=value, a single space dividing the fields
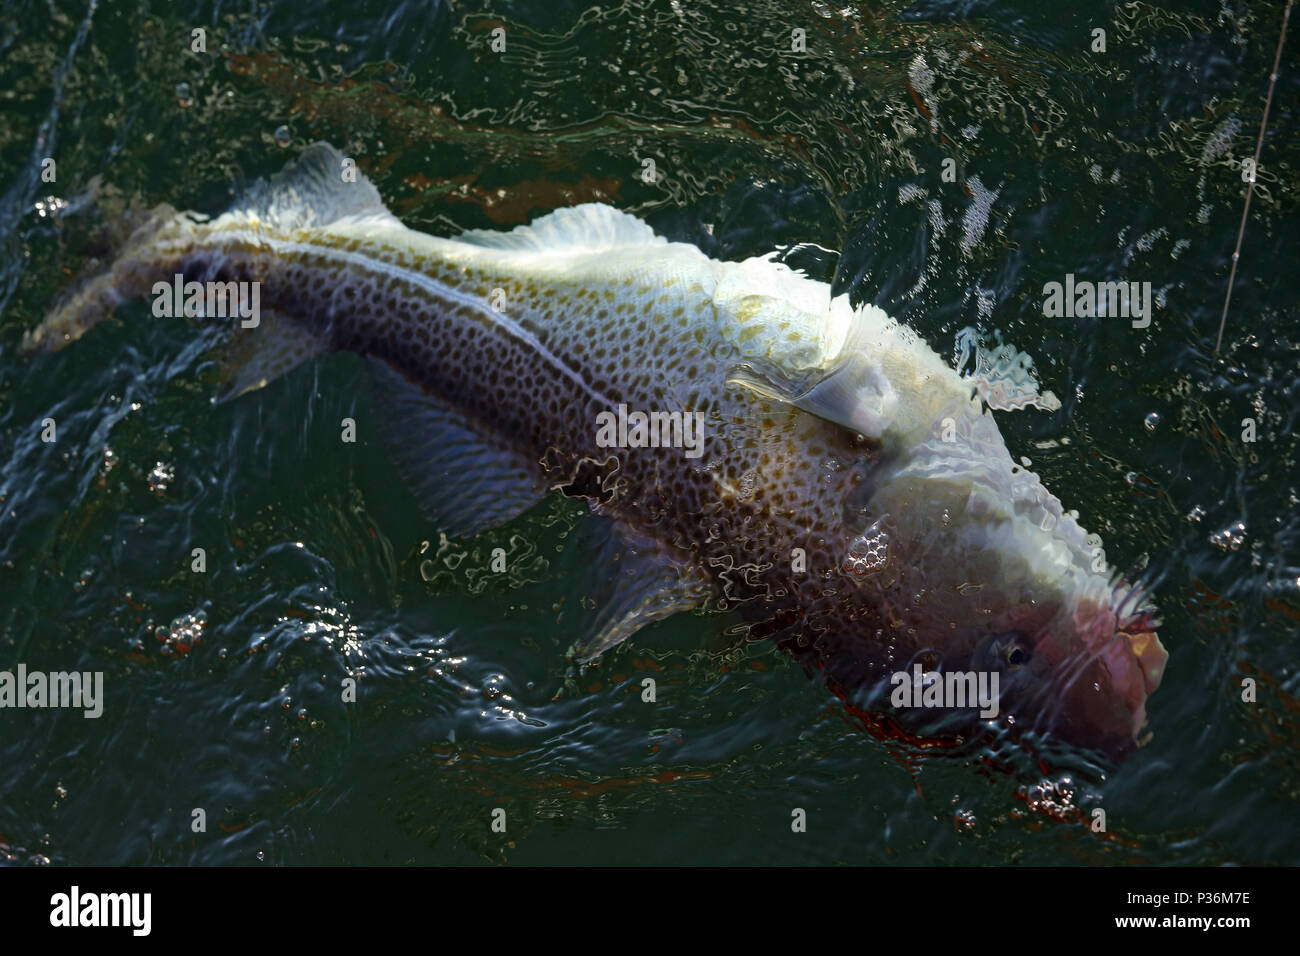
x=1139 y=633
x=1134 y=660
x=1101 y=679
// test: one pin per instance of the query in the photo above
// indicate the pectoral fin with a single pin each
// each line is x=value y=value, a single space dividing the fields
x=853 y=392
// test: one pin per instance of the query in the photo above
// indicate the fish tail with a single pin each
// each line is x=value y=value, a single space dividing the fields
x=137 y=249
x=130 y=250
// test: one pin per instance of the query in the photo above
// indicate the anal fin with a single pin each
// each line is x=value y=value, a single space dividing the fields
x=465 y=481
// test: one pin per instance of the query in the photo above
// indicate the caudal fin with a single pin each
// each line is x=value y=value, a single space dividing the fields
x=137 y=248
x=130 y=249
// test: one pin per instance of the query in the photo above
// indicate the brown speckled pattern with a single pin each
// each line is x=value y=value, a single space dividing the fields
x=580 y=333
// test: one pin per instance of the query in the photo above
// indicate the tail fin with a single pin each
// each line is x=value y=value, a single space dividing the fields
x=139 y=247
x=132 y=247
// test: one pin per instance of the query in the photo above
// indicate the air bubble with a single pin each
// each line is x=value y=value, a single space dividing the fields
x=1230 y=538
x=868 y=552
x=160 y=477
x=1065 y=788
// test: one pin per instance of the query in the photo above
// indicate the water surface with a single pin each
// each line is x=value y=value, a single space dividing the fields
x=222 y=688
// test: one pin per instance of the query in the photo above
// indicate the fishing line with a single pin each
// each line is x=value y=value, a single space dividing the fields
x=1250 y=182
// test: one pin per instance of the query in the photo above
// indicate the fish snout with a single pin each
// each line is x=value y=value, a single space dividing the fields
x=1150 y=654
x=1105 y=700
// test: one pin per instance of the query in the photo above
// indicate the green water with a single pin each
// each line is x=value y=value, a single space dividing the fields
x=222 y=688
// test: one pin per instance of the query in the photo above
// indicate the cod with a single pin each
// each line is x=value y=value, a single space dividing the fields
x=812 y=467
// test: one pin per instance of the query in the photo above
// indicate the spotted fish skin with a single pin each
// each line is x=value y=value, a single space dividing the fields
x=851 y=499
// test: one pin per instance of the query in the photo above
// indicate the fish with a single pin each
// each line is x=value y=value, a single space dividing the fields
x=744 y=440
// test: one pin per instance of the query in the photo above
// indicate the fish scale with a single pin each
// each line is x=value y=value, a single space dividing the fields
x=831 y=435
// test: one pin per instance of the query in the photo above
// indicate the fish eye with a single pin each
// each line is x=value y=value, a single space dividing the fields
x=1016 y=653
x=1009 y=652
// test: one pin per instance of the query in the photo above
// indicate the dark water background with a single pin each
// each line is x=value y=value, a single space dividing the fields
x=222 y=688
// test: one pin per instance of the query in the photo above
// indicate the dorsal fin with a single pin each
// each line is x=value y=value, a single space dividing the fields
x=315 y=190
x=590 y=227
x=1002 y=375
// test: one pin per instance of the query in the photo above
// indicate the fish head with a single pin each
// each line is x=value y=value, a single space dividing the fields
x=980 y=571
x=1075 y=669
